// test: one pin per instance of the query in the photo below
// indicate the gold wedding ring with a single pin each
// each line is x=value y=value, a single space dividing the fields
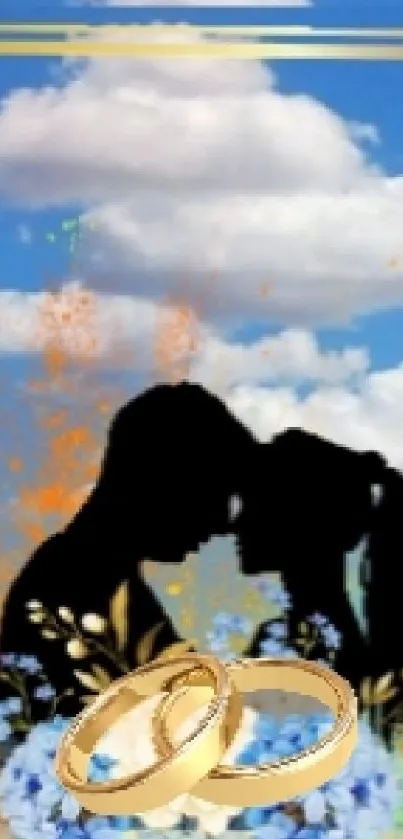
x=245 y=786
x=170 y=776
x=193 y=764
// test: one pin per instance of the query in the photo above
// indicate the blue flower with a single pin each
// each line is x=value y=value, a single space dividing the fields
x=72 y=831
x=10 y=706
x=331 y=637
x=314 y=832
x=219 y=637
x=257 y=816
x=101 y=828
x=275 y=648
x=278 y=826
x=44 y=692
x=360 y=800
x=315 y=806
x=277 y=630
x=223 y=621
x=241 y=625
x=8 y=659
x=277 y=594
x=317 y=619
x=14 y=705
x=5 y=730
x=28 y=664
x=29 y=789
x=271 y=648
x=228 y=624
x=361 y=792
x=366 y=785
x=125 y=823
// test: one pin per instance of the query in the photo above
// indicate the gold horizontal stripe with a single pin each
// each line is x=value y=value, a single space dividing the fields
x=242 y=30
x=96 y=49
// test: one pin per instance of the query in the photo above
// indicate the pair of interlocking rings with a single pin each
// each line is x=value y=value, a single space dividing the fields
x=193 y=766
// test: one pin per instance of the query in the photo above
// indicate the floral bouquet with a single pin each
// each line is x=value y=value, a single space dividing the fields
x=360 y=803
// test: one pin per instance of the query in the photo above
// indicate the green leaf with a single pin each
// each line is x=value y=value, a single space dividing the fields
x=366 y=691
x=88 y=680
x=145 y=646
x=5 y=677
x=87 y=699
x=102 y=676
x=383 y=689
x=19 y=725
x=118 y=617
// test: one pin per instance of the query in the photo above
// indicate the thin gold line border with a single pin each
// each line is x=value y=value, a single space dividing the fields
x=86 y=47
x=224 y=50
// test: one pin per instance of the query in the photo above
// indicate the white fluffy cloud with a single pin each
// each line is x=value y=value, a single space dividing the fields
x=121 y=329
x=346 y=402
x=369 y=417
x=207 y=169
x=205 y=166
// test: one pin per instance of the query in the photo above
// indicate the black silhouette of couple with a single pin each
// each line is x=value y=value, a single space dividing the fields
x=174 y=461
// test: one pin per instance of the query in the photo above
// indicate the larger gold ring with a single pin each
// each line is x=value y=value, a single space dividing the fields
x=272 y=782
x=170 y=777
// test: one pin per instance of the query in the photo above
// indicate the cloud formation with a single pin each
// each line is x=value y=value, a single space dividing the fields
x=120 y=329
x=345 y=401
x=207 y=167
x=368 y=417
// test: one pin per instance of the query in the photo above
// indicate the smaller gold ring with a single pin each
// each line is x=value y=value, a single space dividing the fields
x=270 y=783
x=171 y=776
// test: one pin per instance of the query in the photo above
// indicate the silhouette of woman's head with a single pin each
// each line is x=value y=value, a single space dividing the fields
x=311 y=494
x=175 y=455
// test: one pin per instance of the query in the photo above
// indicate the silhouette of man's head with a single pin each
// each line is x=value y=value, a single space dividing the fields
x=311 y=493
x=174 y=459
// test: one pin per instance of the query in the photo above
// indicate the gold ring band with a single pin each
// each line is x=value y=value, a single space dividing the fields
x=270 y=783
x=170 y=777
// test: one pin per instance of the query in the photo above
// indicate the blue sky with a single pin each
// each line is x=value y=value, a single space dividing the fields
x=358 y=91
x=367 y=92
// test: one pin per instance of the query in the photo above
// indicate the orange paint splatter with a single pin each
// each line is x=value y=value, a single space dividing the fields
x=54 y=420
x=67 y=440
x=103 y=407
x=45 y=500
x=71 y=449
x=178 y=332
x=15 y=464
x=91 y=471
x=67 y=327
x=68 y=464
x=177 y=340
x=33 y=532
